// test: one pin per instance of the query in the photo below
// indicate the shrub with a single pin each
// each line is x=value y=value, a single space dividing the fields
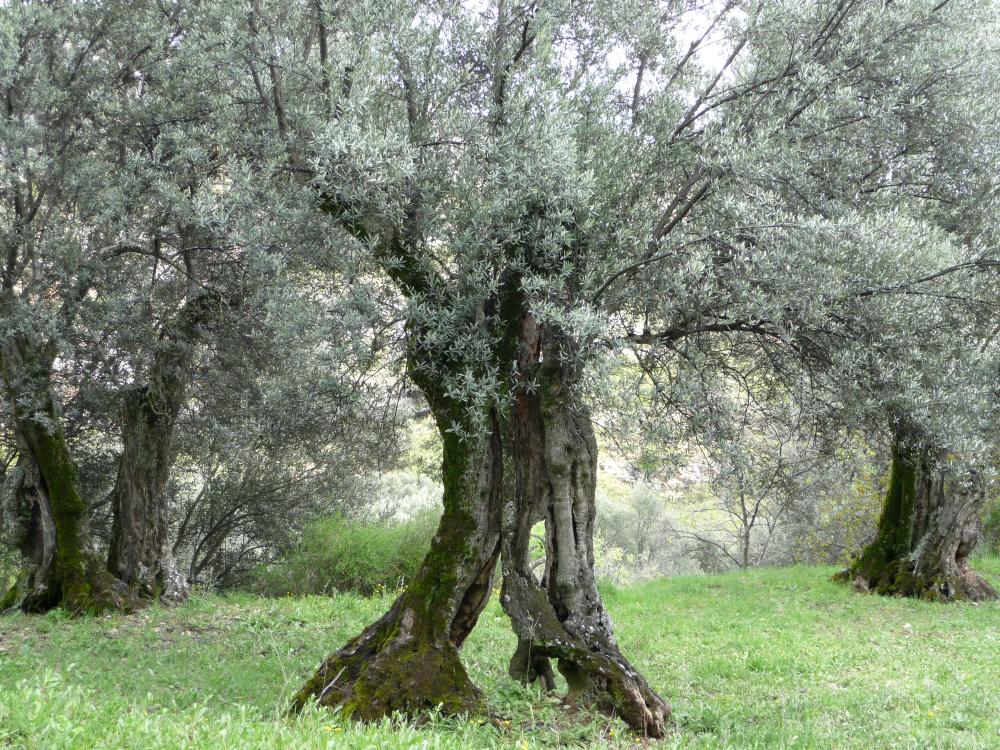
x=337 y=555
x=9 y=561
x=990 y=538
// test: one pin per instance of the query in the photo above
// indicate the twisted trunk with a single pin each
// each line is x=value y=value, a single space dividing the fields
x=927 y=531
x=526 y=506
x=554 y=453
x=59 y=568
x=408 y=660
x=140 y=554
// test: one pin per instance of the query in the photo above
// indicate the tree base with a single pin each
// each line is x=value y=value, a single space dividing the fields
x=897 y=578
x=173 y=588
x=595 y=670
x=93 y=592
x=390 y=669
x=99 y=593
x=165 y=585
x=12 y=599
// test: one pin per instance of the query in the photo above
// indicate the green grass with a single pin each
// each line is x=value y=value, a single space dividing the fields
x=768 y=659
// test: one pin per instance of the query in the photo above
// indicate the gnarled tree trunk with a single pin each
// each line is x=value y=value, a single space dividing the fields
x=32 y=532
x=60 y=568
x=928 y=529
x=140 y=554
x=554 y=455
x=408 y=661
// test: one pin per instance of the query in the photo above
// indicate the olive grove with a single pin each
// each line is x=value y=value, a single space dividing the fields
x=230 y=230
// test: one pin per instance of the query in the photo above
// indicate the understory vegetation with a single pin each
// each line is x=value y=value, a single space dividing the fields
x=647 y=525
x=990 y=540
x=778 y=658
x=338 y=555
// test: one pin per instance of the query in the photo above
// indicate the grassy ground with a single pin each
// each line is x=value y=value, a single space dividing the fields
x=773 y=658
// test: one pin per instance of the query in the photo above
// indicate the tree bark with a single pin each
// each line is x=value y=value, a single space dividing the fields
x=927 y=531
x=408 y=661
x=554 y=456
x=60 y=568
x=140 y=554
x=32 y=533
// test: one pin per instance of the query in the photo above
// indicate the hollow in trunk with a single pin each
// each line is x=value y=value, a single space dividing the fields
x=554 y=457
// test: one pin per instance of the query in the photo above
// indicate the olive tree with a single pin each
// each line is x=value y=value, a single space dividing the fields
x=549 y=186
x=136 y=261
x=58 y=75
x=546 y=183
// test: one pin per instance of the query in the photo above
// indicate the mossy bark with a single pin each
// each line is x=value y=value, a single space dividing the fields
x=554 y=460
x=32 y=532
x=926 y=533
x=408 y=661
x=60 y=568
